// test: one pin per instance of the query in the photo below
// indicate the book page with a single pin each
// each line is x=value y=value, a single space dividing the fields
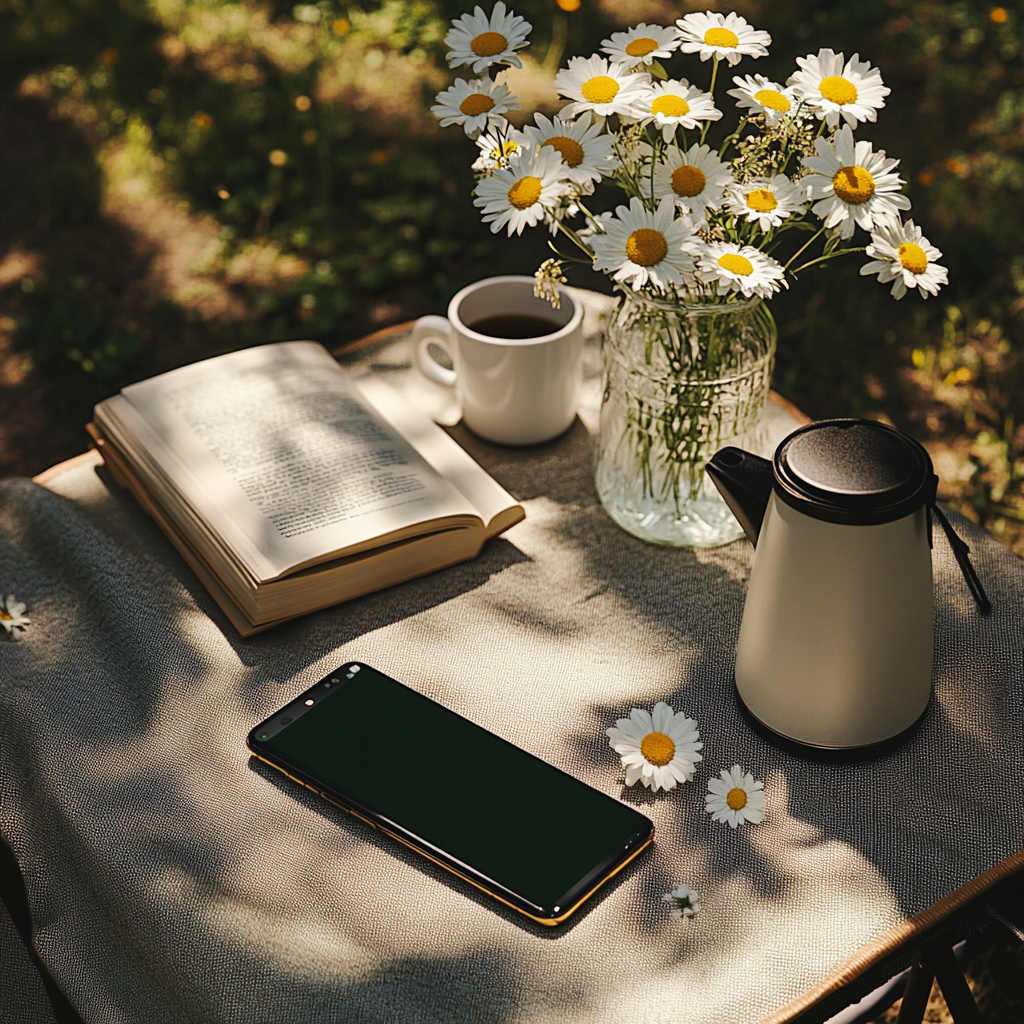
x=279 y=454
x=489 y=498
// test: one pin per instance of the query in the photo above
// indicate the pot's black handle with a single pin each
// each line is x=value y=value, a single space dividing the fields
x=961 y=551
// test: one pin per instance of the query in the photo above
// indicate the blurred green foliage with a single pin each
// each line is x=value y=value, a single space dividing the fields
x=305 y=128
x=247 y=110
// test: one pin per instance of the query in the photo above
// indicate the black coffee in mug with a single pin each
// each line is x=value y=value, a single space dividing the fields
x=515 y=325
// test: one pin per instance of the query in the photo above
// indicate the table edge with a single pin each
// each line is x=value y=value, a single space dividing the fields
x=88 y=458
x=917 y=927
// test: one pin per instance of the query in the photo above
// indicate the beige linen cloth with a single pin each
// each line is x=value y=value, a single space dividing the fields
x=172 y=878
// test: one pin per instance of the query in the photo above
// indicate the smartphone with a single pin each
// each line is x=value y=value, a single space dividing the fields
x=523 y=831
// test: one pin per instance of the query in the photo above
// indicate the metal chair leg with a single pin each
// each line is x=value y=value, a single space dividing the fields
x=955 y=990
x=915 y=996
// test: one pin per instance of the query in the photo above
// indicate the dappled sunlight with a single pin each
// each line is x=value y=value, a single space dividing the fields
x=17 y=264
x=564 y=600
x=533 y=84
x=781 y=896
x=387 y=85
x=184 y=245
x=262 y=265
x=829 y=883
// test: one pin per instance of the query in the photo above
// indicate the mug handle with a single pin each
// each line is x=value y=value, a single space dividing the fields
x=427 y=331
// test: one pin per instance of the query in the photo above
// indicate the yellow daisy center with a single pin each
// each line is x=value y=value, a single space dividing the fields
x=670 y=106
x=688 y=181
x=645 y=247
x=913 y=258
x=773 y=100
x=657 y=748
x=487 y=44
x=600 y=89
x=641 y=46
x=5 y=616
x=476 y=103
x=736 y=264
x=761 y=200
x=854 y=185
x=525 y=192
x=838 y=89
x=569 y=149
x=736 y=799
x=721 y=37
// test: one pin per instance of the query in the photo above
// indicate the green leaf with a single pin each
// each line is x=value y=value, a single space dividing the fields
x=656 y=70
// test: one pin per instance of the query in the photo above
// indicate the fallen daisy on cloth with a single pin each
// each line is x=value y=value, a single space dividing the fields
x=659 y=750
x=735 y=797
x=12 y=614
x=685 y=901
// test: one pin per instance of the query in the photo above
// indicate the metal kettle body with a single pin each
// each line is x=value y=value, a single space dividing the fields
x=835 y=644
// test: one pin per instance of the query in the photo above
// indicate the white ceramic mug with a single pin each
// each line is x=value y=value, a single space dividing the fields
x=514 y=390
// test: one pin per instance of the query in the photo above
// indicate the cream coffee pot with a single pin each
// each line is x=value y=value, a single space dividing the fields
x=835 y=645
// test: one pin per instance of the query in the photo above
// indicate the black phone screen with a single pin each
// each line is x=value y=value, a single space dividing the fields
x=510 y=817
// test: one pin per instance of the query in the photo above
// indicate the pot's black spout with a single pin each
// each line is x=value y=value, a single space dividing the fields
x=745 y=482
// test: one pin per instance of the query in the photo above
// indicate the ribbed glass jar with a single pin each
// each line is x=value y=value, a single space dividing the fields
x=680 y=382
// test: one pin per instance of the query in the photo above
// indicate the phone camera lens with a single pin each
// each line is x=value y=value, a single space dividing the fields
x=264 y=736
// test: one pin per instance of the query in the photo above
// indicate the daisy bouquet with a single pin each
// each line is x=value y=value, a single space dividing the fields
x=700 y=225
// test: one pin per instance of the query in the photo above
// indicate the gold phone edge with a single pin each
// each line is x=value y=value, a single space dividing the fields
x=549 y=922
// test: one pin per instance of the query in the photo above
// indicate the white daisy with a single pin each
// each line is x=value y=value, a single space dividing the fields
x=726 y=36
x=685 y=901
x=481 y=40
x=904 y=256
x=659 y=750
x=11 y=614
x=832 y=88
x=518 y=195
x=641 y=44
x=853 y=184
x=735 y=798
x=695 y=179
x=671 y=104
x=494 y=149
x=596 y=226
x=566 y=209
x=763 y=96
x=740 y=268
x=476 y=105
x=767 y=201
x=585 y=148
x=595 y=83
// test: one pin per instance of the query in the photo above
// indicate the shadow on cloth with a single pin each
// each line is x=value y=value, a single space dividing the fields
x=125 y=583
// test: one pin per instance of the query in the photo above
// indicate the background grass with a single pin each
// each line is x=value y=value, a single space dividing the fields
x=286 y=154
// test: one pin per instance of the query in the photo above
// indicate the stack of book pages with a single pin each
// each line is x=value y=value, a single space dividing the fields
x=289 y=485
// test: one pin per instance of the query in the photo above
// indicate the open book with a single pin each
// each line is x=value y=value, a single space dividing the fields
x=289 y=485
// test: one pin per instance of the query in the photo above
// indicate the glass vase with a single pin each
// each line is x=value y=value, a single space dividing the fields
x=680 y=382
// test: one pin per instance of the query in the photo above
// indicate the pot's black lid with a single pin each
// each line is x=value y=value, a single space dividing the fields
x=853 y=471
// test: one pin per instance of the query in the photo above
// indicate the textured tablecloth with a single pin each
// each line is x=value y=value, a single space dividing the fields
x=172 y=878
